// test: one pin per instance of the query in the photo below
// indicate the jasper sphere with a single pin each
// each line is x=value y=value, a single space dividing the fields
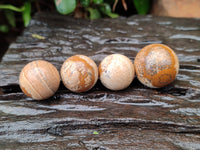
x=156 y=65
x=39 y=80
x=79 y=73
x=116 y=72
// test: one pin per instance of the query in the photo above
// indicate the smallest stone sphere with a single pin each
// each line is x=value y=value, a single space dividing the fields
x=79 y=73
x=39 y=80
x=116 y=72
x=156 y=65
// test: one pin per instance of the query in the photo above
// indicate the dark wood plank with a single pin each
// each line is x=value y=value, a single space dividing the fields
x=135 y=118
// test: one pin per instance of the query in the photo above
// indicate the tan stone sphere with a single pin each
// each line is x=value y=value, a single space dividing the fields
x=39 y=80
x=156 y=65
x=116 y=72
x=79 y=73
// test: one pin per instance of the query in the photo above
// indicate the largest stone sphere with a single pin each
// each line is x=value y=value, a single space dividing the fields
x=156 y=65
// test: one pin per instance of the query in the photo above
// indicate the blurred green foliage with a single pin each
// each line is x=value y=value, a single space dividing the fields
x=65 y=6
x=142 y=6
x=99 y=8
x=94 y=9
x=10 y=16
x=4 y=28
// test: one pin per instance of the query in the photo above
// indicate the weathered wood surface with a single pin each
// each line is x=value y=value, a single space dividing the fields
x=135 y=118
